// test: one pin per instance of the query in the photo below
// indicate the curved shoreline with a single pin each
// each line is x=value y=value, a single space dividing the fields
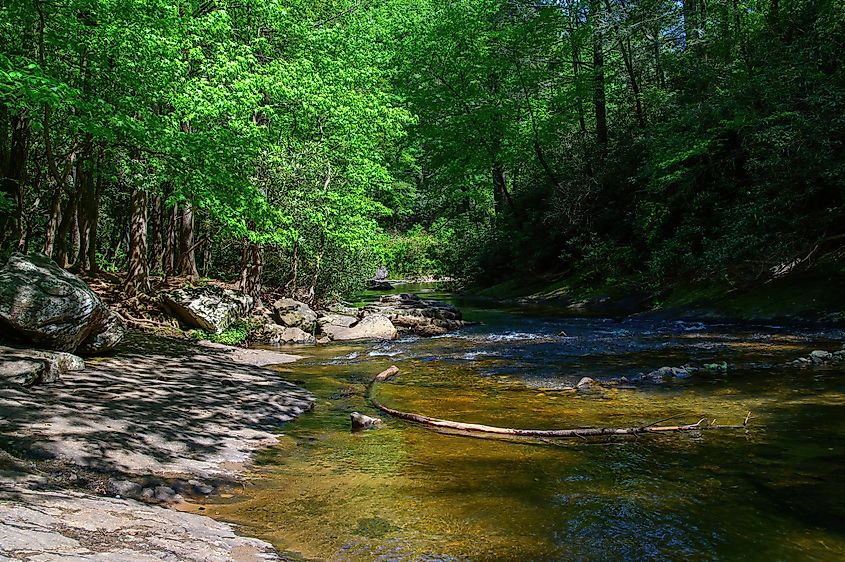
x=182 y=420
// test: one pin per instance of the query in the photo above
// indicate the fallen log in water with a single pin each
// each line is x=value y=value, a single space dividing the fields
x=475 y=428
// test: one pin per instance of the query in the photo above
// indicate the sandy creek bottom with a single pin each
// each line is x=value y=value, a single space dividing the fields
x=773 y=492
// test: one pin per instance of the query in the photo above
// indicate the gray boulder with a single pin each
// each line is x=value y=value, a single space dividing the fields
x=32 y=366
x=273 y=333
x=332 y=320
x=44 y=305
x=294 y=314
x=372 y=327
x=210 y=308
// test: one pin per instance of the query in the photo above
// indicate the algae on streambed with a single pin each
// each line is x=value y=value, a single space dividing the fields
x=405 y=492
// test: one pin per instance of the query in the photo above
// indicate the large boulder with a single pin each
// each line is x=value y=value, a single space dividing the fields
x=423 y=317
x=209 y=308
x=46 y=306
x=295 y=314
x=372 y=327
x=31 y=366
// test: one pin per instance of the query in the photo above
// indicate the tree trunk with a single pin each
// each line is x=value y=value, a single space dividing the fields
x=14 y=170
x=157 y=240
x=171 y=242
x=501 y=196
x=187 y=254
x=599 y=100
x=68 y=216
x=53 y=221
x=94 y=219
x=85 y=210
x=138 y=271
x=252 y=264
x=625 y=51
x=576 y=68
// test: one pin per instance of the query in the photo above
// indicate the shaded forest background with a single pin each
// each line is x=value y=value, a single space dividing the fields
x=299 y=145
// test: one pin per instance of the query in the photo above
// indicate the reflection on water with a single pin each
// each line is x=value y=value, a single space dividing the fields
x=774 y=492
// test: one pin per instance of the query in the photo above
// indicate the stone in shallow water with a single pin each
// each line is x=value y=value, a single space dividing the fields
x=819 y=356
x=374 y=326
x=361 y=421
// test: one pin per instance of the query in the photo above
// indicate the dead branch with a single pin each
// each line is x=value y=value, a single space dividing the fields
x=475 y=428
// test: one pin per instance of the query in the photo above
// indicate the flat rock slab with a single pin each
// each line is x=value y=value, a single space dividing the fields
x=64 y=526
x=161 y=406
x=255 y=357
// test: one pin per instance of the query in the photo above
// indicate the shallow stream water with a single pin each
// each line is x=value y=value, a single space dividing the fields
x=775 y=491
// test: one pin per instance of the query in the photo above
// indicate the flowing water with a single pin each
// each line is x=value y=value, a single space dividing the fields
x=775 y=491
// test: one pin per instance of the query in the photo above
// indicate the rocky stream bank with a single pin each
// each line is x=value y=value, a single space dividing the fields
x=92 y=450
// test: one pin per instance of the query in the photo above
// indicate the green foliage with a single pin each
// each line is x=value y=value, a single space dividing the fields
x=462 y=138
x=417 y=252
x=236 y=334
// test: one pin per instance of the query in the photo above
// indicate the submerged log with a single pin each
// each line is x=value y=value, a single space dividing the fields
x=475 y=428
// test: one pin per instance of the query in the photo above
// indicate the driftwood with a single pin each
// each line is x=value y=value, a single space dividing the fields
x=474 y=428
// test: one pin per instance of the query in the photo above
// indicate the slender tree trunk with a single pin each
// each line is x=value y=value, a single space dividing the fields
x=500 y=189
x=171 y=242
x=252 y=265
x=68 y=217
x=94 y=219
x=312 y=292
x=53 y=221
x=576 y=69
x=86 y=208
x=138 y=271
x=625 y=51
x=599 y=100
x=13 y=172
x=157 y=240
x=187 y=253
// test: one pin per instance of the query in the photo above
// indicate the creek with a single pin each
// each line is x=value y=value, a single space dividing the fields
x=774 y=491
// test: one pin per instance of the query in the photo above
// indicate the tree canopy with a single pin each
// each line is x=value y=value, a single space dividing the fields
x=300 y=145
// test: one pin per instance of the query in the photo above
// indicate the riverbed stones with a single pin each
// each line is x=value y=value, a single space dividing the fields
x=209 y=308
x=664 y=374
x=410 y=313
x=294 y=314
x=361 y=422
x=820 y=357
x=44 y=305
x=27 y=367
